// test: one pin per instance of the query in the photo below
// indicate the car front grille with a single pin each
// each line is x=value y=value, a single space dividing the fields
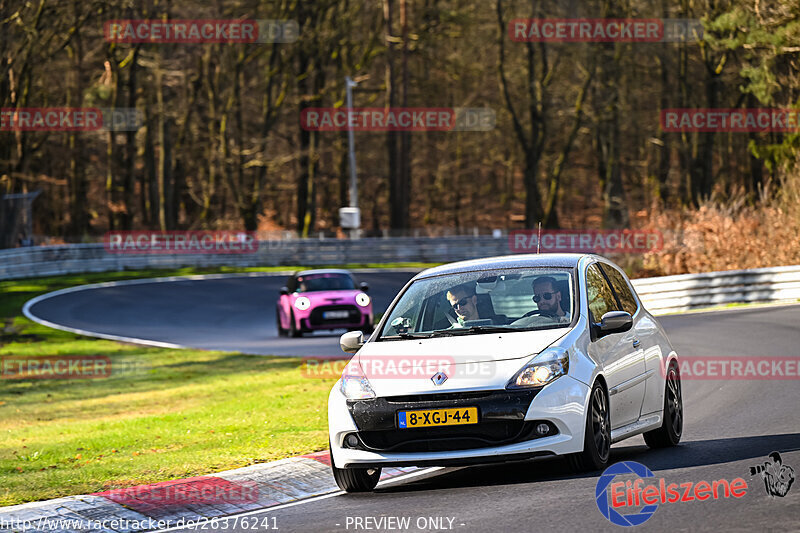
x=438 y=397
x=316 y=316
x=501 y=421
x=450 y=438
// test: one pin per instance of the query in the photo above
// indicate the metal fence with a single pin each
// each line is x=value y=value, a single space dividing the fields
x=79 y=258
x=664 y=294
x=691 y=291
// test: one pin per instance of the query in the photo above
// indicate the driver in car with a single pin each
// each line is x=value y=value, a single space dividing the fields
x=464 y=302
x=548 y=299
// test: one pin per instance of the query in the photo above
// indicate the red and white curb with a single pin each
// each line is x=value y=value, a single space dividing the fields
x=177 y=502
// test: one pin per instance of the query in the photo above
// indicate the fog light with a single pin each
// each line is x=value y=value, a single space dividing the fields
x=542 y=429
x=351 y=440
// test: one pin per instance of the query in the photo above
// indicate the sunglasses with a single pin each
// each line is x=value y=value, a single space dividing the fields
x=462 y=302
x=545 y=295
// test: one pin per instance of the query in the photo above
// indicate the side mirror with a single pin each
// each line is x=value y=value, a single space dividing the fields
x=351 y=341
x=364 y=287
x=614 y=322
x=284 y=291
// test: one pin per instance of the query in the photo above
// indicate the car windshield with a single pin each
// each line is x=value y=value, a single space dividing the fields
x=324 y=282
x=483 y=302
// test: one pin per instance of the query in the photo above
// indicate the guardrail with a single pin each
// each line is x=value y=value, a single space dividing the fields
x=691 y=291
x=79 y=258
x=660 y=295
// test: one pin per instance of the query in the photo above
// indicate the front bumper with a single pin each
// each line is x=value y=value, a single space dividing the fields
x=357 y=317
x=506 y=431
x=501 y=414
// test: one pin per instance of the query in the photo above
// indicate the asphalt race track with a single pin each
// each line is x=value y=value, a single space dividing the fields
x=235 y=313
x=729 y=425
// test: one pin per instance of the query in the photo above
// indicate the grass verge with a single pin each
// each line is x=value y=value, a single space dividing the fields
x=162 y=414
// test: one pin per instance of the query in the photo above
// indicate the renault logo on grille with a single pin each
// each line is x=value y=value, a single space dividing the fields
x=439 y=378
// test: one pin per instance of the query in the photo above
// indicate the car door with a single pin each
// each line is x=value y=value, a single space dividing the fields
x=285 y=301
x=644 y=333
x=622 y=361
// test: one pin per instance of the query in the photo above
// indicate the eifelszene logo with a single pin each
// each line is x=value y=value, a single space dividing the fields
x=778 y=477
x=633 y=494
x=607 y=508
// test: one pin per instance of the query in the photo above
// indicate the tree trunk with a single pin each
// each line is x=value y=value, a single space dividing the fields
x=129 y=185
x=756 y=181
x=615 y=209
x=704 y=163
x=153 y=197
x=79 y=187
x=404 y=161
x=162 y=169
x=551 y=211
x=531 y=143
x=398 y=208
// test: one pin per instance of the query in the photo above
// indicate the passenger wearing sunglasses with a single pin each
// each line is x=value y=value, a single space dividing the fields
x=548 y=300
x=547 y=297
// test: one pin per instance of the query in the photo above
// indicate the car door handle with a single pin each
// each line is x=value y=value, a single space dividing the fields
x=636 y=343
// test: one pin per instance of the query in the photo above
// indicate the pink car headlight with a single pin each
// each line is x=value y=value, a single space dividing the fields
x=302 y=303
x=362 y=299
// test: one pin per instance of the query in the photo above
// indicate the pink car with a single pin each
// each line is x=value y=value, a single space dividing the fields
x=323 y=299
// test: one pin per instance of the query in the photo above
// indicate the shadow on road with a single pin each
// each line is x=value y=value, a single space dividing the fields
x=685 y=455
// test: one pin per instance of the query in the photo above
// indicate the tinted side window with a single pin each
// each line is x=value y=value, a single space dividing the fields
x=291 y=284
x=626 y=297
x=441 y=309
x=600 y=297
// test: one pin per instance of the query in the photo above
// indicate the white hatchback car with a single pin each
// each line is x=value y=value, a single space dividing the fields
x=500 y=359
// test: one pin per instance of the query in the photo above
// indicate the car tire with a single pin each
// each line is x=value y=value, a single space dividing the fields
x=281 y=331
x=669 y=434
x=293 y=331
x=355 y=479
x=597 y=435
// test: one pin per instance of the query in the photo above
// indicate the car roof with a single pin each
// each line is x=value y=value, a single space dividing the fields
x=324 y=271
x=507 y=261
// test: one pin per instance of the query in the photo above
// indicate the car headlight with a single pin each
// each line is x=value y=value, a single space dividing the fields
x=355 y=385
x=362 y=299
x=542 y=369
x=302 y=303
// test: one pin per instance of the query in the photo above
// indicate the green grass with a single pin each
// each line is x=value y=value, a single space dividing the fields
x=164 y=414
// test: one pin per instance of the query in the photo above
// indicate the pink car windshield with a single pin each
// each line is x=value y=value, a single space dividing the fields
x=325 y=282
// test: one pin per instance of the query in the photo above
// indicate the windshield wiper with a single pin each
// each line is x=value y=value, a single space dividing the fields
x=405 y=335
x=452 y=332
x=472 y=329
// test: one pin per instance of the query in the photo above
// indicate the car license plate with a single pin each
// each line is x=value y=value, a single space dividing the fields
x=437 y=417
x=335 y=314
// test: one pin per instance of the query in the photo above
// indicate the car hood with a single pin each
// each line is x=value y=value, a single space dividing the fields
x=471 y=362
